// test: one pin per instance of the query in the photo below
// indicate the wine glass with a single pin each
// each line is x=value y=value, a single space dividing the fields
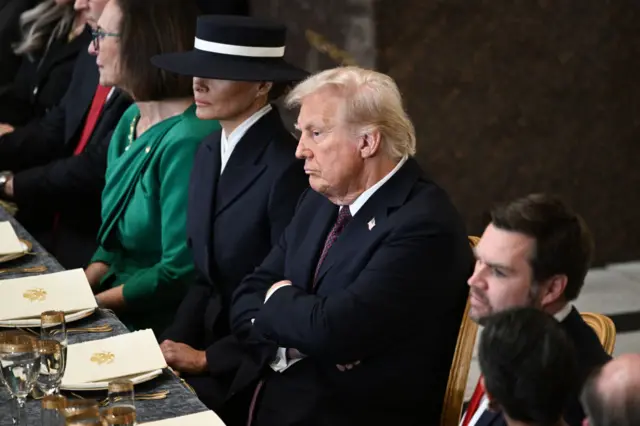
x=52 y=366
x=52 y=410
x=20 y=365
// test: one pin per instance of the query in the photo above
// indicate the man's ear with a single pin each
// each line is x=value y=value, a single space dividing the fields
x=585 y=422
x=553 y=289
x=369 y=143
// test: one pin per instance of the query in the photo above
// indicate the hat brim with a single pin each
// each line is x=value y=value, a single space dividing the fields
x=197 y=63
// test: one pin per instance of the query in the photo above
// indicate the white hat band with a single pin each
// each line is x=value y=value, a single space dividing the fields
x=231 y=49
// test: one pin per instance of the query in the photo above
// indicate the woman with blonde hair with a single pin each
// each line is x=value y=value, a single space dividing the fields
x=52 y=35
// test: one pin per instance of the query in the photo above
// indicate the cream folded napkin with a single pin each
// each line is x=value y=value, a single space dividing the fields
x=28 y=297
x=204 y=418
x=9 y=242
x=119 y=356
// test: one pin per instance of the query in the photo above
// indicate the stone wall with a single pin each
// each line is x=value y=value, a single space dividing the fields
x=508 y=96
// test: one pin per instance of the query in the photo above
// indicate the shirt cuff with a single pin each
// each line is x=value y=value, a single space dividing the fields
x=272 y=290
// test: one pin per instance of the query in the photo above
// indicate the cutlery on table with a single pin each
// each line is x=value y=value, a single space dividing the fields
x=30 y=269
x=105 y=328
x=151 y=396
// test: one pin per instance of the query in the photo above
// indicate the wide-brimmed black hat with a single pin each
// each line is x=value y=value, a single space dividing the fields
x=240 y=48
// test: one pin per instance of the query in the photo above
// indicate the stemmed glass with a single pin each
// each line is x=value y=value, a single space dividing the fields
x=20 y=365
x=52 y=366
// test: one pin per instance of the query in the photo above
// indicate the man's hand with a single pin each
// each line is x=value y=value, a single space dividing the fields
x=5 y=128
x=346 y=367
x=184 y=358
x=8 y=188
x=276 y=286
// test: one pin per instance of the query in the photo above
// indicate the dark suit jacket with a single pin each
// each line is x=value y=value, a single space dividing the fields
x=49 y=178
x=10 y=11
x=41 y=83
x=389 y=295
x=233 y=221
x=590 y=355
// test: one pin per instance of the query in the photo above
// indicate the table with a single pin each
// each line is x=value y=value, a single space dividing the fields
x=180 y=400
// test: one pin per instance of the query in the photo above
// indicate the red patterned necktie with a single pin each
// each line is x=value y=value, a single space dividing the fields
x=344 y=217
x=474 y=404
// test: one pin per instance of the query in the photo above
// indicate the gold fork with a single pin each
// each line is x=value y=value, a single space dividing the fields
x=105 y=328
x=30 y=269
x=152 y=396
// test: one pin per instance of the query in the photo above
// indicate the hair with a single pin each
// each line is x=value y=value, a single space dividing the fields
x=372 y=101
x=153 y=27
x=528 y=364
x=563 y=242
x=43 y=24
x=608 y=410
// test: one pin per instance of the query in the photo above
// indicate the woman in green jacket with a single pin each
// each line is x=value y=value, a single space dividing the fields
x=143 y=265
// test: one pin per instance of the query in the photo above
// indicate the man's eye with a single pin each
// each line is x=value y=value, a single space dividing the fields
x=497 y=272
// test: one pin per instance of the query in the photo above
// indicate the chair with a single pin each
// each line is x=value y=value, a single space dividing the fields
x=459 y=373
x=605 y=329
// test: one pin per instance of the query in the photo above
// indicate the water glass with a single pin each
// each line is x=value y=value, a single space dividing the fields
x=20 y=365
x=52 y=366
x=121 y=393
x=52 y=410
x=82 y=412
x=119 y=416
x=53 y=327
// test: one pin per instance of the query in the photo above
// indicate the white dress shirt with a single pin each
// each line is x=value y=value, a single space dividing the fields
x=282 y=361
x=228 y=143
x=560 y=316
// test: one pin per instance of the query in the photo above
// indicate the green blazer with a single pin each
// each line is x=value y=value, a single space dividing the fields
x=144 y=213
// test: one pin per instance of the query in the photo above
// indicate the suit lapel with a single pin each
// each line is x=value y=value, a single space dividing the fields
x=61 y=50
x=371 y=220
x=243 y=168
x=77 y=107
x=202 y=199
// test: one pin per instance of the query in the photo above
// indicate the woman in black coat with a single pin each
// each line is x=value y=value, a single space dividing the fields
x=52 y=36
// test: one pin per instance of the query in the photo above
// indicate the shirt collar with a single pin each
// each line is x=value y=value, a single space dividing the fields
x=563 y=313
x=364 y=197
x=239 y=131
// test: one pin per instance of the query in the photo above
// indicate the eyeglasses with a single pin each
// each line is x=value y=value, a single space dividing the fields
x=99 y=34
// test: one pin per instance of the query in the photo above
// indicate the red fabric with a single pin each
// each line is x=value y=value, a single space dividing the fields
x=474 y=403
x=99 y=99
x=344 y=217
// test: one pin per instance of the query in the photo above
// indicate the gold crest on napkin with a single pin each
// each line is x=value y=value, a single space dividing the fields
x=125 y=355
x=28 y=297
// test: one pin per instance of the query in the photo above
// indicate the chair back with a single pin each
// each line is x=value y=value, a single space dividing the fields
x=604 y=327
x=459 y=373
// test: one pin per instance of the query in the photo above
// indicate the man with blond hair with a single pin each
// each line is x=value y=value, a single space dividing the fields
x=352 y=318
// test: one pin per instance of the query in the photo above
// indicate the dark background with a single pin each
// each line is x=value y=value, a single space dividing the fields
x=508 y=96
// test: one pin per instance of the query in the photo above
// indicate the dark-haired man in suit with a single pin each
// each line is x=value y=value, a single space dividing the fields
x=535 y=252
x=352 y=318
x=528 y=366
